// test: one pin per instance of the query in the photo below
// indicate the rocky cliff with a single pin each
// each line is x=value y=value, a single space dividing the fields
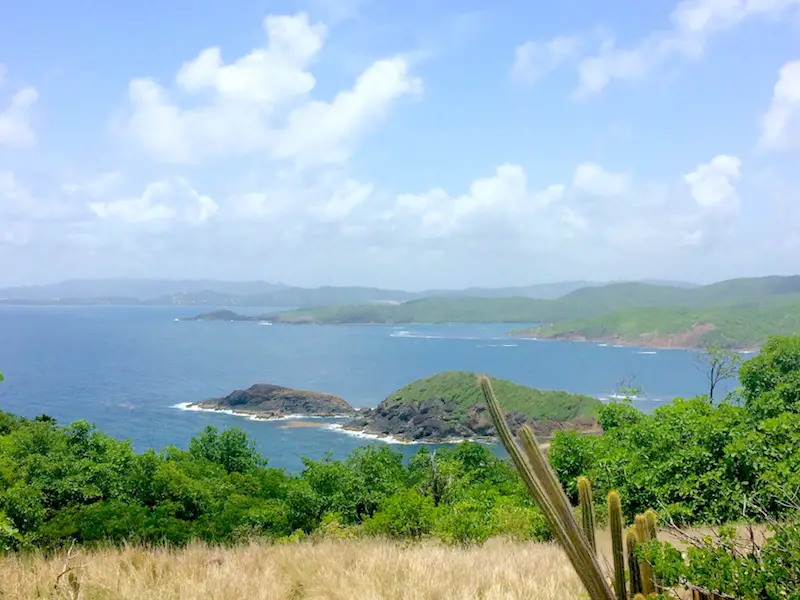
x=270 y=401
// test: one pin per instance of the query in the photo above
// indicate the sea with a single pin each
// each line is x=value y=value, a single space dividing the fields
x=132 y=370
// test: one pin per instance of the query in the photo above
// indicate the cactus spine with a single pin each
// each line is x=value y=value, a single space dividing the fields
x=548 y=494
x=634 y=573
x=618 y=551
x=586 y=502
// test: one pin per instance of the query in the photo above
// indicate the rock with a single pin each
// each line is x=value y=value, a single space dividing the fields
x=268 y=400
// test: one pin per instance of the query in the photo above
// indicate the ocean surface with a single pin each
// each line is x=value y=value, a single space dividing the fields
x=128 y=370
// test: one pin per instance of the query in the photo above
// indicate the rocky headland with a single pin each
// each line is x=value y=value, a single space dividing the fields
x=449 y=407
x=269 y=401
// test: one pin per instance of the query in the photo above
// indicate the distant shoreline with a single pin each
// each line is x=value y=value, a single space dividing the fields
x=655 y=344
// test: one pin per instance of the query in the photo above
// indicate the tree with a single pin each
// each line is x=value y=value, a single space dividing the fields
x=718 y=364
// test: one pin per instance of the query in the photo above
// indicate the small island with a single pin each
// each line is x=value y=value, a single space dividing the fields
x=449 y=407
x=267 y=401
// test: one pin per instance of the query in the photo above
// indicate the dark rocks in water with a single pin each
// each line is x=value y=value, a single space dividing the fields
x=438 y=420
x=266 y=400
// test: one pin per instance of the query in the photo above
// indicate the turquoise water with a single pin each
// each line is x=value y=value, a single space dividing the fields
x=126 y=369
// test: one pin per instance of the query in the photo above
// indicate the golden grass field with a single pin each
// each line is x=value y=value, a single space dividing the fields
x=357 y=569
x=335 y=570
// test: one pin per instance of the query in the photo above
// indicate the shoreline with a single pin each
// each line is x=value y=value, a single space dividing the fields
x=625 y=343
x=251 y=415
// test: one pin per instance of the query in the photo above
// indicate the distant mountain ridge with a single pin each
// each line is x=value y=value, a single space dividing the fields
x=202 y=292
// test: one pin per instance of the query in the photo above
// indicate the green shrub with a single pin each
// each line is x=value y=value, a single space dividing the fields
x=406 y=514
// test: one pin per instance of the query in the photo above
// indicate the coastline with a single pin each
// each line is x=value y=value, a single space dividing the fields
x=619 y=342
x=252 y=415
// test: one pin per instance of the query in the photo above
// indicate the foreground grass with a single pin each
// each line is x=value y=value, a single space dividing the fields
x=331 y=569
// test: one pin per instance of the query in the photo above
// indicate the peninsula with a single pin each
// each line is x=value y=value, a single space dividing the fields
x=449 y=407
x=268 y=401
x=740 y=328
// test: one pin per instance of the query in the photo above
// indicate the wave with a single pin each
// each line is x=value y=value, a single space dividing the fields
x=403 y=333
x=647 y=352
x=497 y=345
x=191 y=407
x=389 y=439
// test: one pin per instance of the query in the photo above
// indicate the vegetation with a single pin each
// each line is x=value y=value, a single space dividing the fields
x=327 y=569
x=712 y=568
x=428 y=310
x=738 y=327
x=460 y=389
x=695 y=462
x=63 y=483
x=739 y=313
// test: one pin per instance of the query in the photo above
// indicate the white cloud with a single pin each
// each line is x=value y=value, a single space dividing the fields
x=16 y=121
x=593 y=179
x=693 y=23
x=781 y=124
x=98 y=186
x=713 y=185
x=260 y=103
x=345 y=200
x=168 y=200
x=440 y=214
x=535 y=59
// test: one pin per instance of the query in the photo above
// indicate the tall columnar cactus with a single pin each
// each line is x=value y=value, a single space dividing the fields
x=548 y=494
x=586 y=502
x=651 y=517
x=618 y=551
x=634 y=572
x=643 y=536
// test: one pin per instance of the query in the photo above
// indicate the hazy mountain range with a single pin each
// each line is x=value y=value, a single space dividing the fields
x=199 y=292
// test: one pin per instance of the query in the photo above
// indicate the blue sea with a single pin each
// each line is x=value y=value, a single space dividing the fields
x=128 y=370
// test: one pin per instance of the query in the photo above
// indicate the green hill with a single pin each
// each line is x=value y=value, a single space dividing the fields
x=450 y=406
x=428 y=310
x=739 y=326
x=461 y=389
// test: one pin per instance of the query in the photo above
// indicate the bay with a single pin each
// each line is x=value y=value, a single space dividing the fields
x=126 y=369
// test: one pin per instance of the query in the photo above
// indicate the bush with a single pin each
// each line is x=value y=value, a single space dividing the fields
x=406 y=514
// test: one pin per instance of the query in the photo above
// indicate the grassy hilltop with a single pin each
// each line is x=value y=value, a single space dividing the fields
x=460 y=388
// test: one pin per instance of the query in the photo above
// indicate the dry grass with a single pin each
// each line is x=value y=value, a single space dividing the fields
x=335 y=570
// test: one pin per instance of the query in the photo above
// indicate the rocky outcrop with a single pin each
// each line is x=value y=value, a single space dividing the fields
x=439 y=420
x=272 y=401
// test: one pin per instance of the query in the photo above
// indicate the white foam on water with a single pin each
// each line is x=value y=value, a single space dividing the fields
x=192 y=407
x=389 y=439
x=647 y=352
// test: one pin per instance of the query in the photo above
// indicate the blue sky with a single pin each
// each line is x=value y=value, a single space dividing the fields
x=409 y=144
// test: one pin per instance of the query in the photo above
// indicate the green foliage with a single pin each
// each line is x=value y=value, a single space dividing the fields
x=771 y=380
x=695 y=460
x=405 y=514
x=459 y=387
x=769 y=570
x=63 y=483
x=727 y=326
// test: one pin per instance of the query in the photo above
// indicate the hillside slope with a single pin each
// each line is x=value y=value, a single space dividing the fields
x=741 y=327
x=450 y=405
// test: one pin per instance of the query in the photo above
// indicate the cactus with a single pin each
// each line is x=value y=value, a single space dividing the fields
x=634 y=573
x=651 y=517
x=615 y=525
x=548 y=494
x=586 y=502
x=643 y=536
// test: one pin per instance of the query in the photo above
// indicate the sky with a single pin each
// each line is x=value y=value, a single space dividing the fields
x=411 y=144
